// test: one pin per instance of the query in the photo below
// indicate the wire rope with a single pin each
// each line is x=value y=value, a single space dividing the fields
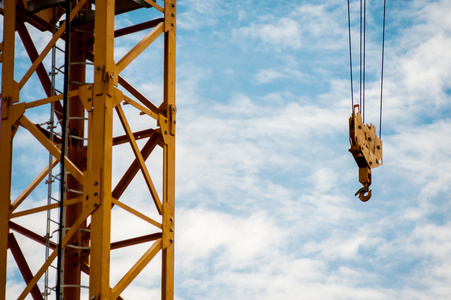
x=360 y=65
x=63 y=148
x=350 y=56
x=382 y=70
x=364 y=61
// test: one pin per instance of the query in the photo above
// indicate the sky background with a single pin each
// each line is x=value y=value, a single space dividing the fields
x=265 y=205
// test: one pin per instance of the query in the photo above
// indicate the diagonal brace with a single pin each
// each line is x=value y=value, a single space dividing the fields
x=138 y=155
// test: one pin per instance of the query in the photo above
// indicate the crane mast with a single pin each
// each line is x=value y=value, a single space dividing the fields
x=99 y=99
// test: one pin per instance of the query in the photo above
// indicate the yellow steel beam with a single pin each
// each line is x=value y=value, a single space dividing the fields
x=141 y=108
x=45 y=208
x=136 y=269
x=6 y=134
x=100 y=147
x=50 y=99
x=150 y=2
x=32 y=186
x=26 y=123
x=52 y=256
x=49 y=46
x=139 y=96
x=167 y=285
x=137 y=213
x=140 y=47
x=138 y=155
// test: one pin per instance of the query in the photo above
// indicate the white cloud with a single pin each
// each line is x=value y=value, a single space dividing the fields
x=198 y=14
x=270 y=75
x=275 y=34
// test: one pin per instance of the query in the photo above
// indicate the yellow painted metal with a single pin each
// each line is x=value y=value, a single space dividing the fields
x=150 y=2
x=137 y=213
x=25 y=193
x=45 y=208
x=169 y=152
x=136 y=269
x=141 y=108
x=26 y=123
x=49 y=46
x=140 y=47
x=97 y=101
x=366 y=147
x=138 y=155
x=6 y=133
x=49 y=99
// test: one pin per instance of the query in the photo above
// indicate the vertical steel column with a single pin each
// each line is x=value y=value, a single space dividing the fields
x=100 y=145
x=8 y=96
x=167 y=286
x=76 y=153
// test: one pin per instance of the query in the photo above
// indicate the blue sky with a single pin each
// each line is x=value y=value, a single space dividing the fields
x=265 y=183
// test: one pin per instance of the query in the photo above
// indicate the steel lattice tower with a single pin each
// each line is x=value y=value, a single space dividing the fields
x=95 y=103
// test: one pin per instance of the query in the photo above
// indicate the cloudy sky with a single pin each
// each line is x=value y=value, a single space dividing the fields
x=265 y=183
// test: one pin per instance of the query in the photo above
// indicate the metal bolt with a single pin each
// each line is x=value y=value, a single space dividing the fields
x=96 y=183
x=174 y=109
x=165 y=132
x=98 y=69
x=111 y=75
x=173 y=5
x=172 y=240
x=95 y=193
x=95 y=204
x=173 y=15
x=171 y=230
x=166 y=120
x=173 y=24
x=4 y=99
x=93 y=297
x=89 y=99
x=171 y=219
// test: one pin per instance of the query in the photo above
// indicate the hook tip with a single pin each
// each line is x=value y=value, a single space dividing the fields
x=361 y=193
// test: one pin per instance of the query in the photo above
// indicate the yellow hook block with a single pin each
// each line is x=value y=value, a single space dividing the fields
x=366 y=148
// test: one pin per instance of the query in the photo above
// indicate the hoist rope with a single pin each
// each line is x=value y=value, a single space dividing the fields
x=382 y=71
x=364 y=61
x=362 y=66
x=350 y=57
x=63 y=149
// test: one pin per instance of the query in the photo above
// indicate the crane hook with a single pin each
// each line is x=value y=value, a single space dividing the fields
x=361 y=192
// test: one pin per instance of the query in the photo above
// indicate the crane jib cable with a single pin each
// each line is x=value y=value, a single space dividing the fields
x=63 y=148
x=350 y=56
x=364 y=61
x=382 y=70
x=362 y=65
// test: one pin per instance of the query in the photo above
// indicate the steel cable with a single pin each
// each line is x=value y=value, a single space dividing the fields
x=364 y=61
x=382 y=71
x=350 y=57
x=360 y=65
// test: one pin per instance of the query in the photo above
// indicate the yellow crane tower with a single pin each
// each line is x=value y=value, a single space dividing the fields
x=81 y=141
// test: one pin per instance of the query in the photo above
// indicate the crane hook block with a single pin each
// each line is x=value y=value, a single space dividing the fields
x=366 y=148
